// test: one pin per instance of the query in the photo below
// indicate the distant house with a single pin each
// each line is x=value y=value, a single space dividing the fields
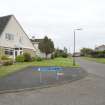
x=77 y=54
x=35 y=43
x=13 y=39
x=100 y=48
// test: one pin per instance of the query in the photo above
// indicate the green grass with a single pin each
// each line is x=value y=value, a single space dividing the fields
x=99 y=60
x=64 y=62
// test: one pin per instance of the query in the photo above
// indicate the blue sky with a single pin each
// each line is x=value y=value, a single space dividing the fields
x=58 y=18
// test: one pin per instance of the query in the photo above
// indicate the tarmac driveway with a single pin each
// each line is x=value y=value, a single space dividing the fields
x=30 y=78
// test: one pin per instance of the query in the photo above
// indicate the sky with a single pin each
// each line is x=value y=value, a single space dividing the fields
x=58 y=18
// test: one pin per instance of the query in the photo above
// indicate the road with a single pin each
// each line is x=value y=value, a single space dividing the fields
x=87 y=91
x=92 y=67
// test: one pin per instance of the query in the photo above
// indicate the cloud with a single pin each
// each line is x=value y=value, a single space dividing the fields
x=58 y=18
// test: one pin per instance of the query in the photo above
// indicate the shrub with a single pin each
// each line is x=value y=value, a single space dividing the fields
x=64 y=55
x=0 y=57
x=27 y=57
x=52 y=56
x=4 y=57
x=20 y=58
x=98 y=54
x=39 y=59
x=7 y=62
x=55 y=55
x=33 y=58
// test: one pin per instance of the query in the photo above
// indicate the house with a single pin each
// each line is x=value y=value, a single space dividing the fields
x=77 y=54
x=100 y=48
x=13 y=39
x=35 y=43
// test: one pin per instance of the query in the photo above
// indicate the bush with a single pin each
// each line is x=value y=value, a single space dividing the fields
x=98 y=54
x=39 y=59
x=4 y=57
x=27 y=57
x=20 y=58
x=33 y=58
x=52 y=56
x=64 y=55
x=7 y=62
x=0 y=56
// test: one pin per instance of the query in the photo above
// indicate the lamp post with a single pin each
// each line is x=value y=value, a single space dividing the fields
x=79 y=29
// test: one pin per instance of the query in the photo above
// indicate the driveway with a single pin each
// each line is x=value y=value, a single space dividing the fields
x=30 y=78
x=92 y=67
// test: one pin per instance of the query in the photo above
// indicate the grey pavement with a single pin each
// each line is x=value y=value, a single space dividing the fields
x=92 y=67
x=87 y=91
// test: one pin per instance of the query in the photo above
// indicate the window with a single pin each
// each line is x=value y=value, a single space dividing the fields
x=9 y=36
x=16 y=48
x=6 y=51
x=9 y=51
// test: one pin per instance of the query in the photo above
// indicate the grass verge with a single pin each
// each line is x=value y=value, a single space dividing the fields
x=98 y=60
x=63 y=62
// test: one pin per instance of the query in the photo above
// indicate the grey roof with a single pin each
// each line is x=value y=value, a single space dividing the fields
x=3 y=22
x=100 y=46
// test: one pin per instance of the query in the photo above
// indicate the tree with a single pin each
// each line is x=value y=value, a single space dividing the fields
x=46 y=46
x=61 y=53
x=65 y=50
x=86 y=51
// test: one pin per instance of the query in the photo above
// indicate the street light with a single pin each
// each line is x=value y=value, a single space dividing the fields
x=79 y=29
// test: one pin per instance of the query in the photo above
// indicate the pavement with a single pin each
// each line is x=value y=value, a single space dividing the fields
x=87 y=91
x=92 y=67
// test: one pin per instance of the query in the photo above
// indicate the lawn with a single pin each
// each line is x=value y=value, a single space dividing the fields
x=64 y=62
x=99 y=60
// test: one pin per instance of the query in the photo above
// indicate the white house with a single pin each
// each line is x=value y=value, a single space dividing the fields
x=13 y=39
x=100 y=48
x=36 y=42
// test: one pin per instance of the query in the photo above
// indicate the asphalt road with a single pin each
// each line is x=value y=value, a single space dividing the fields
x=87 y=91
x=92 y=67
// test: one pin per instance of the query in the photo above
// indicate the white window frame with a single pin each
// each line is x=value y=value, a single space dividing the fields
x=9 y=36
x=9 y=50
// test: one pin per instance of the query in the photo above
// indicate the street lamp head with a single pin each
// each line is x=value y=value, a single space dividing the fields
x=79 y=29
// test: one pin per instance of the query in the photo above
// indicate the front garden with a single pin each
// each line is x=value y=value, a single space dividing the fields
x=58 y=58
x=64 y=62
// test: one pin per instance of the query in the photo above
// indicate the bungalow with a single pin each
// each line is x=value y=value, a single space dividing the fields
x=100 y=48
x=13 y=39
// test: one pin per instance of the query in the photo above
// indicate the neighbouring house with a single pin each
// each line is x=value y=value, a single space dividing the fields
x=13 y=39
x=36 y=42
x=100 y=48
